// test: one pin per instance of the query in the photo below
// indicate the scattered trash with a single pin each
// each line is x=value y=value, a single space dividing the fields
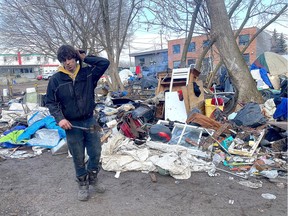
x=268 y=196
x=231 y=202
x=151 y=136
x=251 y=184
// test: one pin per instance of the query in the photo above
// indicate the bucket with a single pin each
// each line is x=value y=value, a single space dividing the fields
x=209 y=107
x=5 y=92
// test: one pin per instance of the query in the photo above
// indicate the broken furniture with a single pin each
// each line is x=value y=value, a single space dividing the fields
x=182 y=82
x=179 y=74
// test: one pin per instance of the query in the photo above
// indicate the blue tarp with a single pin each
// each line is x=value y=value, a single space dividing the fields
x=281 y=110
x=47 y=122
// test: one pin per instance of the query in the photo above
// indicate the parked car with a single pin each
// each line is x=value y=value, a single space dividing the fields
x=47 y=75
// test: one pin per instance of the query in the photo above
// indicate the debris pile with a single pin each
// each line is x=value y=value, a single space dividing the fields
x=176 y=131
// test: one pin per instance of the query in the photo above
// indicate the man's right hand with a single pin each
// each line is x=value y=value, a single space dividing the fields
x=65 y=124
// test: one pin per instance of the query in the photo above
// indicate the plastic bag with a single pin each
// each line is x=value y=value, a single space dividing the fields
x=250 y=115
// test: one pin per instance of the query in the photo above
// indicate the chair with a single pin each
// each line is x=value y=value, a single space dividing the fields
x=179 y=73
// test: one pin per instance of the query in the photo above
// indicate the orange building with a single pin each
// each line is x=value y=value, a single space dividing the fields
x=259 y=45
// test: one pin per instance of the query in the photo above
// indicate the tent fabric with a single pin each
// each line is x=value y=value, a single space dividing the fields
x=274 y=64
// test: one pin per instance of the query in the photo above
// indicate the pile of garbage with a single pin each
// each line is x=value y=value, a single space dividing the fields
x=251 y=142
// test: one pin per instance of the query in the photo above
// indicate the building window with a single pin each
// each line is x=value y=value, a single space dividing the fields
x=176 y=49
x=246 y=57
x=45 y=58
x=206 y=43
x=176 y=64
x=16 y=58
x=5 y=59
x=27 y=58
x=244 y=39
x=38 y=58
x=192 y=47
x=141 y=61
x=191 y=62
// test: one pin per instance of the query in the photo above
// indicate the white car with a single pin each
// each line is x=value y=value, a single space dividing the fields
x=47 y=75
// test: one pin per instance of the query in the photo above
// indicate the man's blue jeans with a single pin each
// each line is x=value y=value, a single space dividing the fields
x=78 y=140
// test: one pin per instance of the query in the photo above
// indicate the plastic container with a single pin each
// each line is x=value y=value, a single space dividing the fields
x=5 y=92
x=209 y=107
x=30 y=90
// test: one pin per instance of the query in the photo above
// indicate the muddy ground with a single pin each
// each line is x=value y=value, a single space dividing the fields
x=45 y=185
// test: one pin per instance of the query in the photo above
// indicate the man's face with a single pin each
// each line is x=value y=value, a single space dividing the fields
x=70 y=65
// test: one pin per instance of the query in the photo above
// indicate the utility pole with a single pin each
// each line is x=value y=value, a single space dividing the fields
x=129 y=53
x=161 y=44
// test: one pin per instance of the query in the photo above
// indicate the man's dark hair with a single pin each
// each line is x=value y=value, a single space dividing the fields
x=67 y=52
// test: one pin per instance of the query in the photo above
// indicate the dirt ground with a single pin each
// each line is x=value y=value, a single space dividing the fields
x=45 y=185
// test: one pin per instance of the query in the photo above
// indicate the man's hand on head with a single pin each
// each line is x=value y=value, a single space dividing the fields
x=82 y=54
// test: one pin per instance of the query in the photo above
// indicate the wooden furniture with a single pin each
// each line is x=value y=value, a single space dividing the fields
x=179 y=74
x=164 y=81
x=190 y=99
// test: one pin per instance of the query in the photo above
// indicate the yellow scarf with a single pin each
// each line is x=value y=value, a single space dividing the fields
x=71 y=75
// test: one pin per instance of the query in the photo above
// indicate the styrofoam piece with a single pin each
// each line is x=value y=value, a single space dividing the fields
x=30 y=90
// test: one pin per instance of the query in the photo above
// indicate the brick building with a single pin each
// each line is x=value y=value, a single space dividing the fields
x=259 y=45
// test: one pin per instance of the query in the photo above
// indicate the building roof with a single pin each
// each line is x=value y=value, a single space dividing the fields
x=148 y=52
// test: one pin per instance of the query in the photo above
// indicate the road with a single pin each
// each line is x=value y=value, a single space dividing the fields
x=17 y=88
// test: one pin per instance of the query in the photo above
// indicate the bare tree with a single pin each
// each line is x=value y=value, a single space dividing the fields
x=229 y=51
x=190 y=34
x=115 y=35
x=211 y=77
x=95 y=25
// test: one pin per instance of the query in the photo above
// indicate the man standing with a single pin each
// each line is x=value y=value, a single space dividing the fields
x=70 y=99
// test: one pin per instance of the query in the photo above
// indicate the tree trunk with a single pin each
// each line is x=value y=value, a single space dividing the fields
x=230 y=53
x=212 y=40
x=191 y=30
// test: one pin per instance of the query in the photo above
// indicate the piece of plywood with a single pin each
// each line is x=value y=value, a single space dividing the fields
x=194 y=101
x=185 y=97
x=174 y=108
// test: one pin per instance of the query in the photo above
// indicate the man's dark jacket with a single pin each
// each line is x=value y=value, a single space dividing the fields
x=75 y=100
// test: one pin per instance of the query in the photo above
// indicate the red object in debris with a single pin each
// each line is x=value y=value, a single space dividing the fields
x=164 y=135
x=130 y=127
x=138 y=69
x=180 y=95
x=220 y=101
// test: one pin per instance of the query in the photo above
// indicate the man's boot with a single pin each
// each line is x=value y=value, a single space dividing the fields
x=83 y=193
x=93 y=180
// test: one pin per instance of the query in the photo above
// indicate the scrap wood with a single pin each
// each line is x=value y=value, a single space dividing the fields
x=191 y=142
x=215 y=136
x=153 y=177
x=106 y=136
x=283 y=124
x=249 y=153
x=14 y=150
x=235 y=174
x=2 y=158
